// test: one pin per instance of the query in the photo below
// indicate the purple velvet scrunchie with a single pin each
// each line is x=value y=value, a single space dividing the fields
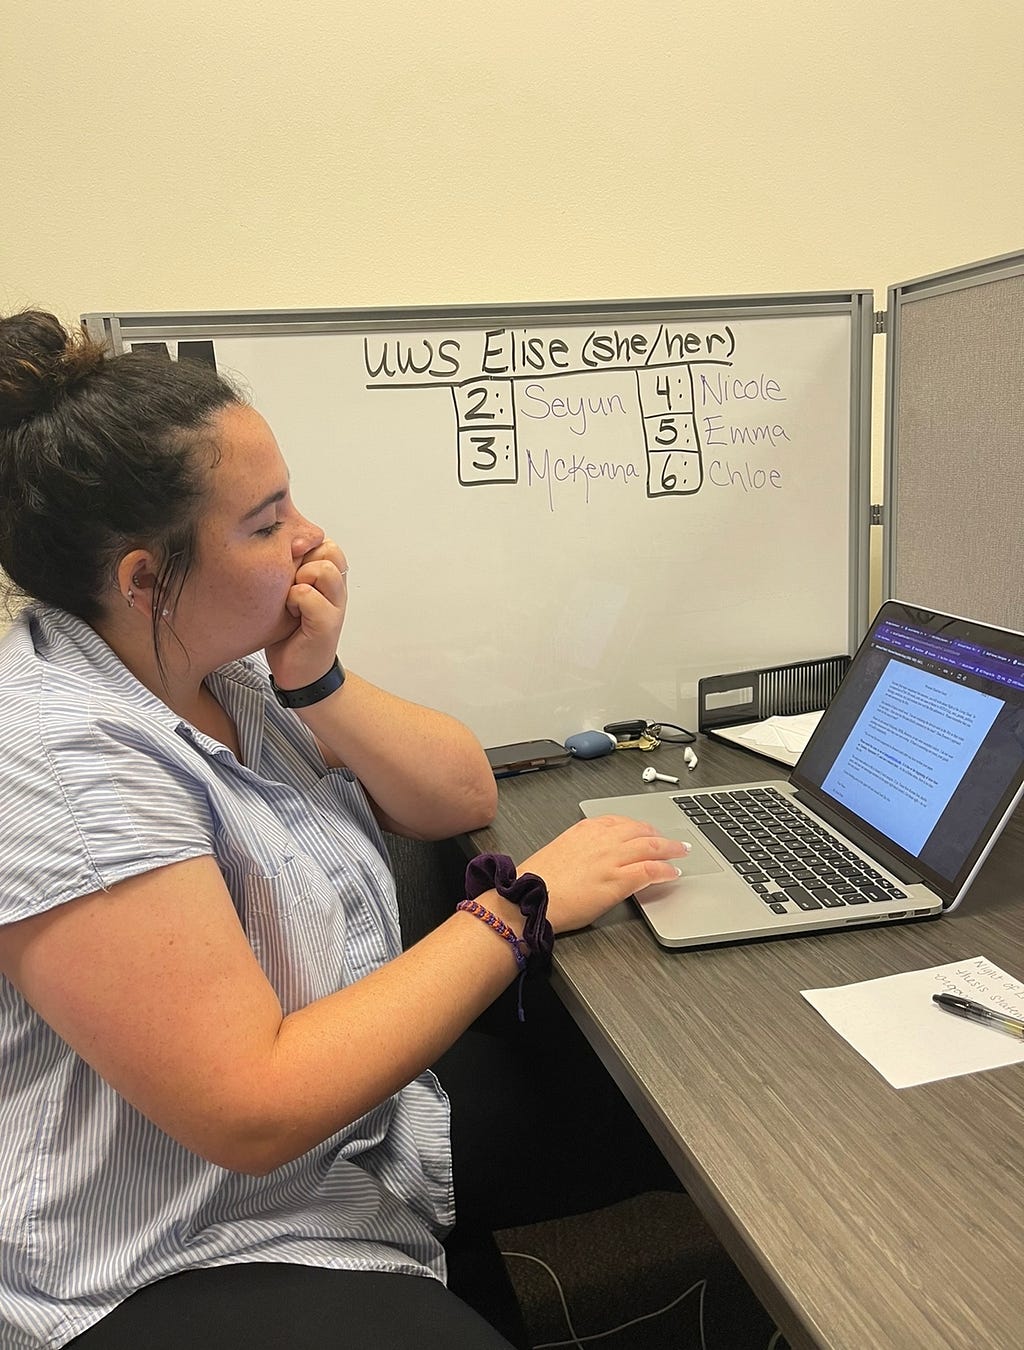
x=497 y=871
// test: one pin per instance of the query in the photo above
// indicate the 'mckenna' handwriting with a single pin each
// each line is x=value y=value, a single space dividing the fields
x=576 y=470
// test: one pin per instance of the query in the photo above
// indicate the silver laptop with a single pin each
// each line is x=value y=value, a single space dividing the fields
x=900 y=793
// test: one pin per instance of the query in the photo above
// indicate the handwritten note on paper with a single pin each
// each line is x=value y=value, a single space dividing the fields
x=895 y=1025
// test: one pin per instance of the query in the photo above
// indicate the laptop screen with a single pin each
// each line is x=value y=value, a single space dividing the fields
x=922 y=746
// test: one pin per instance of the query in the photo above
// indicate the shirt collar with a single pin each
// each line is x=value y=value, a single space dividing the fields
x=64 y=640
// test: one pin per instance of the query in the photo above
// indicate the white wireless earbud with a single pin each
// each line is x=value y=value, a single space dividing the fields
x=650 y=775
x=690 y=758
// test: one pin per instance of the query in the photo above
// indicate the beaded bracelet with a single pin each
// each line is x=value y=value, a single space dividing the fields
x=497 y=871
x=502 y=929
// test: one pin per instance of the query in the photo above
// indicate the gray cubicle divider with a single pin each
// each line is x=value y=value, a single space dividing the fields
x=953 y=538
x=562 y=515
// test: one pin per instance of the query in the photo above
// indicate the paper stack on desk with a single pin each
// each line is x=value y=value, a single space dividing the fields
x=779 y=738
x=895 y=1025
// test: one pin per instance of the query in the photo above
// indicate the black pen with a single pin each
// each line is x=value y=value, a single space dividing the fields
x=974 y=1012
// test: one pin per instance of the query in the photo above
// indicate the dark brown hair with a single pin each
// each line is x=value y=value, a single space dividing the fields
x=99 y=454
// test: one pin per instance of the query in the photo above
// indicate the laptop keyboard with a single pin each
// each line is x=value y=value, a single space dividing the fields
x=790 y=862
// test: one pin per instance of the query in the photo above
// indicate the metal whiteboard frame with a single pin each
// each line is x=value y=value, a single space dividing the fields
x=120 y=330
x=904 y=293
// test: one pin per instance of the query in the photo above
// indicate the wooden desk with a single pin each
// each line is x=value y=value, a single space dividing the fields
x=865 y=1218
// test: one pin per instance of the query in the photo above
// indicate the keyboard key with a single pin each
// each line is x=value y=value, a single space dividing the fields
x=875 y=893
x=802 y=898
x=717 y=836
x=825 y=897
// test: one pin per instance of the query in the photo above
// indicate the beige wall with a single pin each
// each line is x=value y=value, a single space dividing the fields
x=257 y=154
x=252 y=155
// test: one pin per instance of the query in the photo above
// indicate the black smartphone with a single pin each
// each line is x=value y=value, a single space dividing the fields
x=525 y=757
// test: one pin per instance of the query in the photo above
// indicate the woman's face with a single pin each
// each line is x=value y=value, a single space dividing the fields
x=250 y=541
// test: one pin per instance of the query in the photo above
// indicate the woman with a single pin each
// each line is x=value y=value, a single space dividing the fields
x=215 y=1099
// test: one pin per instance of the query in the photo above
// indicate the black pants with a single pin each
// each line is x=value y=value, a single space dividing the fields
x=282 y=1307
x=538 y=1131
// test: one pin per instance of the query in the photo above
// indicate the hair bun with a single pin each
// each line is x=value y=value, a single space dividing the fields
x=40 y=361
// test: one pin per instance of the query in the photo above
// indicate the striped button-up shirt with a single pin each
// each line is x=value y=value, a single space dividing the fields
x=99 y=781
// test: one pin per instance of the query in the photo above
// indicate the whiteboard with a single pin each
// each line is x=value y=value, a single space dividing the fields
x=556 y=517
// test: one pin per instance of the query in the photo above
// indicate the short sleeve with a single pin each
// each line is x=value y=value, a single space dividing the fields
x=93 y=801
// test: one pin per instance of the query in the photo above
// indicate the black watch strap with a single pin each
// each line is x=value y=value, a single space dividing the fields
x=310 y=693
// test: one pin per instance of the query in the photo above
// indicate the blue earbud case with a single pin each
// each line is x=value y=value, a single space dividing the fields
x=590 y=744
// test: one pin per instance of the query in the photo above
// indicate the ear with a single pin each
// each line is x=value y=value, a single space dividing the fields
x=136 y=577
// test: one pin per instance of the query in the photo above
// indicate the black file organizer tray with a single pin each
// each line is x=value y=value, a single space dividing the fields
x=775 y=691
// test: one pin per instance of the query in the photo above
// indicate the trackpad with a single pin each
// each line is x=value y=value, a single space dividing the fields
x=698 y=862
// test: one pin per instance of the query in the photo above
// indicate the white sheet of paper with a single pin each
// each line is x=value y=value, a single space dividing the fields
x=909 y=1039
x=780 y=738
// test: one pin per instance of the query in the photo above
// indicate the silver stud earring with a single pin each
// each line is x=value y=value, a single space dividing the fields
x=131 y=598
